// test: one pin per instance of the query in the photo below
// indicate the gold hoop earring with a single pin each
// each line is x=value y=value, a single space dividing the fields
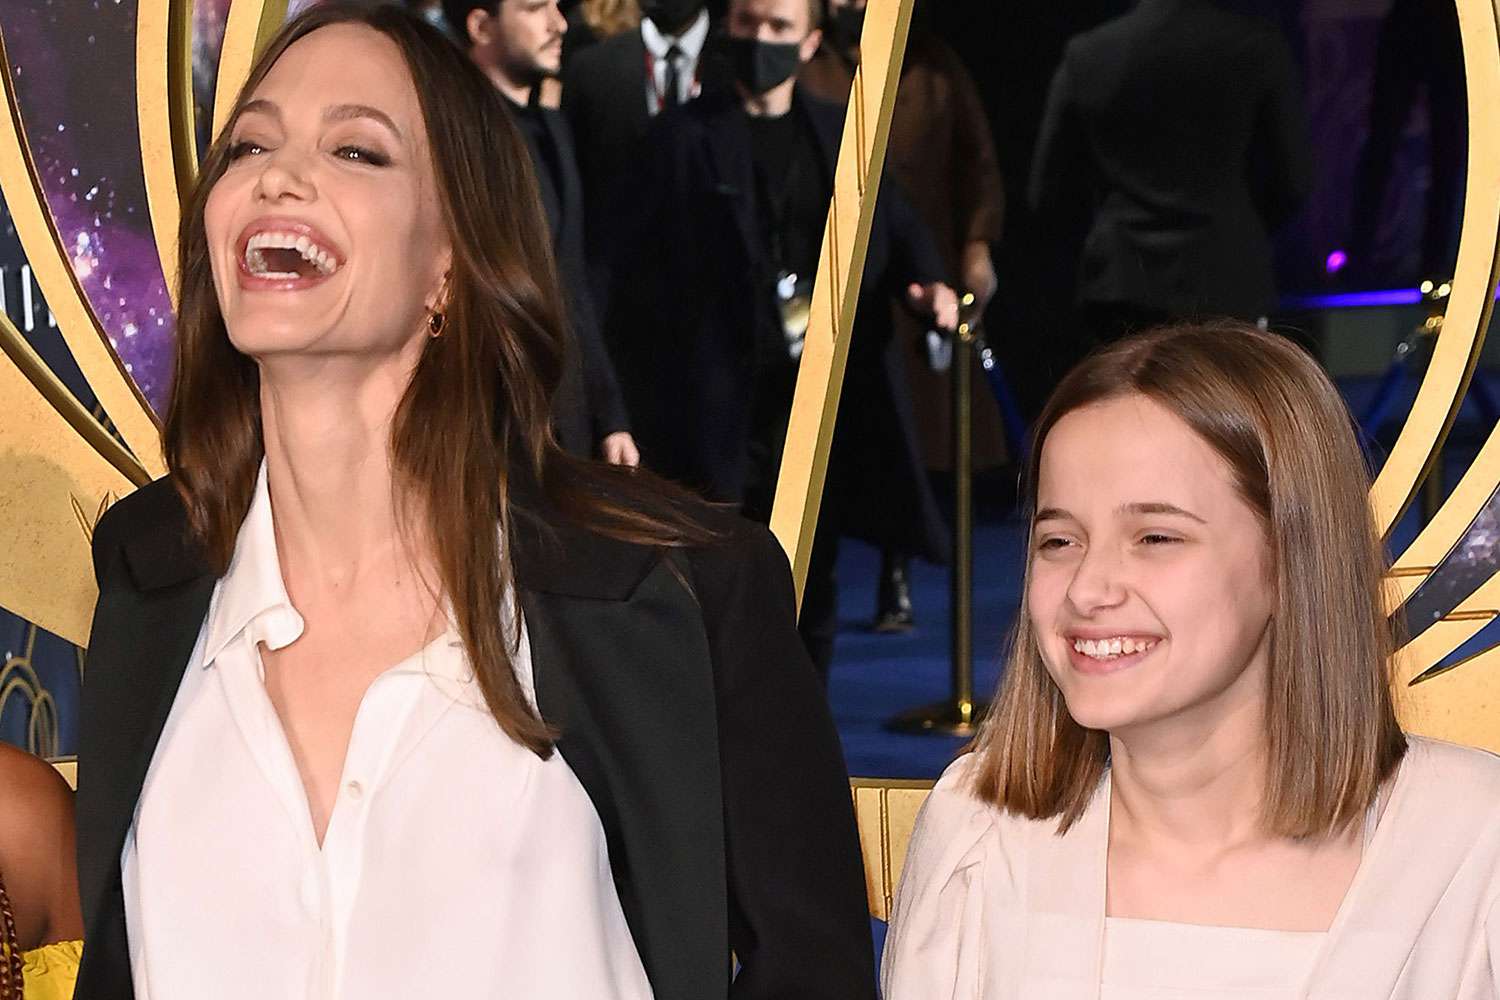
x=437 y=322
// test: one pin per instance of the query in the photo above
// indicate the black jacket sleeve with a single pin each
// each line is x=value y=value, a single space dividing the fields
x=606 y=406
x=798 y=923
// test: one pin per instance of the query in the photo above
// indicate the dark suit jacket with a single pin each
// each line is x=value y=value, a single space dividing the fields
x=689 y=293
x=692 y=717
x=1181 y=122
x=604 y=97
x=588 y=406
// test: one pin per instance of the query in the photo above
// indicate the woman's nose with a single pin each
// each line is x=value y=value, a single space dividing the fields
x=284 y=176
x=1097 y=582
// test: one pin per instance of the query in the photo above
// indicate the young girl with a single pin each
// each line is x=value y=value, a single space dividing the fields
x=1193 y=783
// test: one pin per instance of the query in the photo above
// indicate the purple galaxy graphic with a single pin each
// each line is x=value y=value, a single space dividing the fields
x=73 y=63
x=1462 y=571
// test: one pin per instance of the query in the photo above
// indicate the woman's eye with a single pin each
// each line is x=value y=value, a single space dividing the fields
x=1052 y=544
x=359 y=154
x=1158 y=539
x=245 y=148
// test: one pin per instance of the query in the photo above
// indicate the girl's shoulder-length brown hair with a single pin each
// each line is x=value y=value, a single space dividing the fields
x=475 y=422
x=1276 y=420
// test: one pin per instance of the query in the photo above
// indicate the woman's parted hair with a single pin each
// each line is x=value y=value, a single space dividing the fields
x=1272 y=415
x=478 y=410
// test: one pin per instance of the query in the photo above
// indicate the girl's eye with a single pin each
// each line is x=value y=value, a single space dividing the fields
x=1155 y=539
x=245 y=148
x=1052 y=544
x=359 y=154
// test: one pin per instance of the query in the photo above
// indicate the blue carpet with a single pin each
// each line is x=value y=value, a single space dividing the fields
x=876 y=676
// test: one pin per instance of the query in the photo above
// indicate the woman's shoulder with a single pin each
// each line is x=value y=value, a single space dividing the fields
x=1466 y=777
x=957 y=828
x=149 y=527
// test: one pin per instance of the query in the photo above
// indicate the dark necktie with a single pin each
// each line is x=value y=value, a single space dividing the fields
x=670 y=96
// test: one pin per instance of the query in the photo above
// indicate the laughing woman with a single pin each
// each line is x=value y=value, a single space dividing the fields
x=1193 y=784
x=388 y=697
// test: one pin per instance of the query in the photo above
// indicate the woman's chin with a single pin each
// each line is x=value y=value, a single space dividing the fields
x=261 y=339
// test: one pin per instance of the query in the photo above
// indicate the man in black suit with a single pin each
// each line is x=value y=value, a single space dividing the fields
x=518 y=43
x=613 y=90
x=710 y=292
x=1182 y=123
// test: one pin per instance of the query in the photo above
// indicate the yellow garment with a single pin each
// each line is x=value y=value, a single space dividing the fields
x=51 y=970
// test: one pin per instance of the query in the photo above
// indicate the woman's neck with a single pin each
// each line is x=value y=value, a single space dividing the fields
x=337 y=511
x=1196 y=783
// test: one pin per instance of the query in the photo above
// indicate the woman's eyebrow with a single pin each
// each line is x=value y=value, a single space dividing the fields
x=350 y=112
x=1158 y=507
x=261 y=106
x=334 y=113
x=1139 y=507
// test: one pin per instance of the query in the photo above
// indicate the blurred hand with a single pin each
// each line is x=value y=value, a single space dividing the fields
x=619 y=449
x=977 y=271
x=936 y=300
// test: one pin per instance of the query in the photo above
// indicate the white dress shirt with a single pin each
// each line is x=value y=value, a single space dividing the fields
x=690 y=47
x=456 y=864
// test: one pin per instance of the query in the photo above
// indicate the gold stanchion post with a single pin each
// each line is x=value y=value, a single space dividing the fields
x=959 y=713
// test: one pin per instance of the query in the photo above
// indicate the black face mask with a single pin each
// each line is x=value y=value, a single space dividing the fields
x=671 y=15
x=845 y=26
x=761 y=66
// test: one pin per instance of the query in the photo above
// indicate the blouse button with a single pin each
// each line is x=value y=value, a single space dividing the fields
x=355 y=790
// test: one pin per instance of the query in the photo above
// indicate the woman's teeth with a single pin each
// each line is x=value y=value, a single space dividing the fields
x=1109 y=649
x=255 y=255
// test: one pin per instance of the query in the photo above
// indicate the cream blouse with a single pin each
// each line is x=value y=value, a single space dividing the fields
x=994 y=907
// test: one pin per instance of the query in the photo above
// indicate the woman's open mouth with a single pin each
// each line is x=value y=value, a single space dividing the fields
x=285 y=255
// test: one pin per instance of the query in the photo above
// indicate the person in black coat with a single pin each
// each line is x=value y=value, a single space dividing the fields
x=613 y=90
x=711 y=276
x=377 y=394
x=518 y=45
x=1181 y=125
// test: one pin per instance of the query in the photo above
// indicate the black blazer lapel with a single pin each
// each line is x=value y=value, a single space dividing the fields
x=619 y=656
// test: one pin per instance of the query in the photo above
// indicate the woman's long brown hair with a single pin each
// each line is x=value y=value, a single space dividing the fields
x=477 y=414
x=1272 y=415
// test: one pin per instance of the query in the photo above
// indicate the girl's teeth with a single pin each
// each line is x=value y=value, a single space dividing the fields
x=1101 y=649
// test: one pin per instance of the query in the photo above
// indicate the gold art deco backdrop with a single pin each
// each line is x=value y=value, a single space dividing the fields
x=105 y=109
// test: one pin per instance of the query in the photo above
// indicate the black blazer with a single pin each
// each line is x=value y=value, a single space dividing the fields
x=689 y=293
x=1181 y=123
x=692 y=717
x=588 y=406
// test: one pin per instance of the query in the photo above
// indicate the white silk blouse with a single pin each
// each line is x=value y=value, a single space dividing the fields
x=456 y=863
